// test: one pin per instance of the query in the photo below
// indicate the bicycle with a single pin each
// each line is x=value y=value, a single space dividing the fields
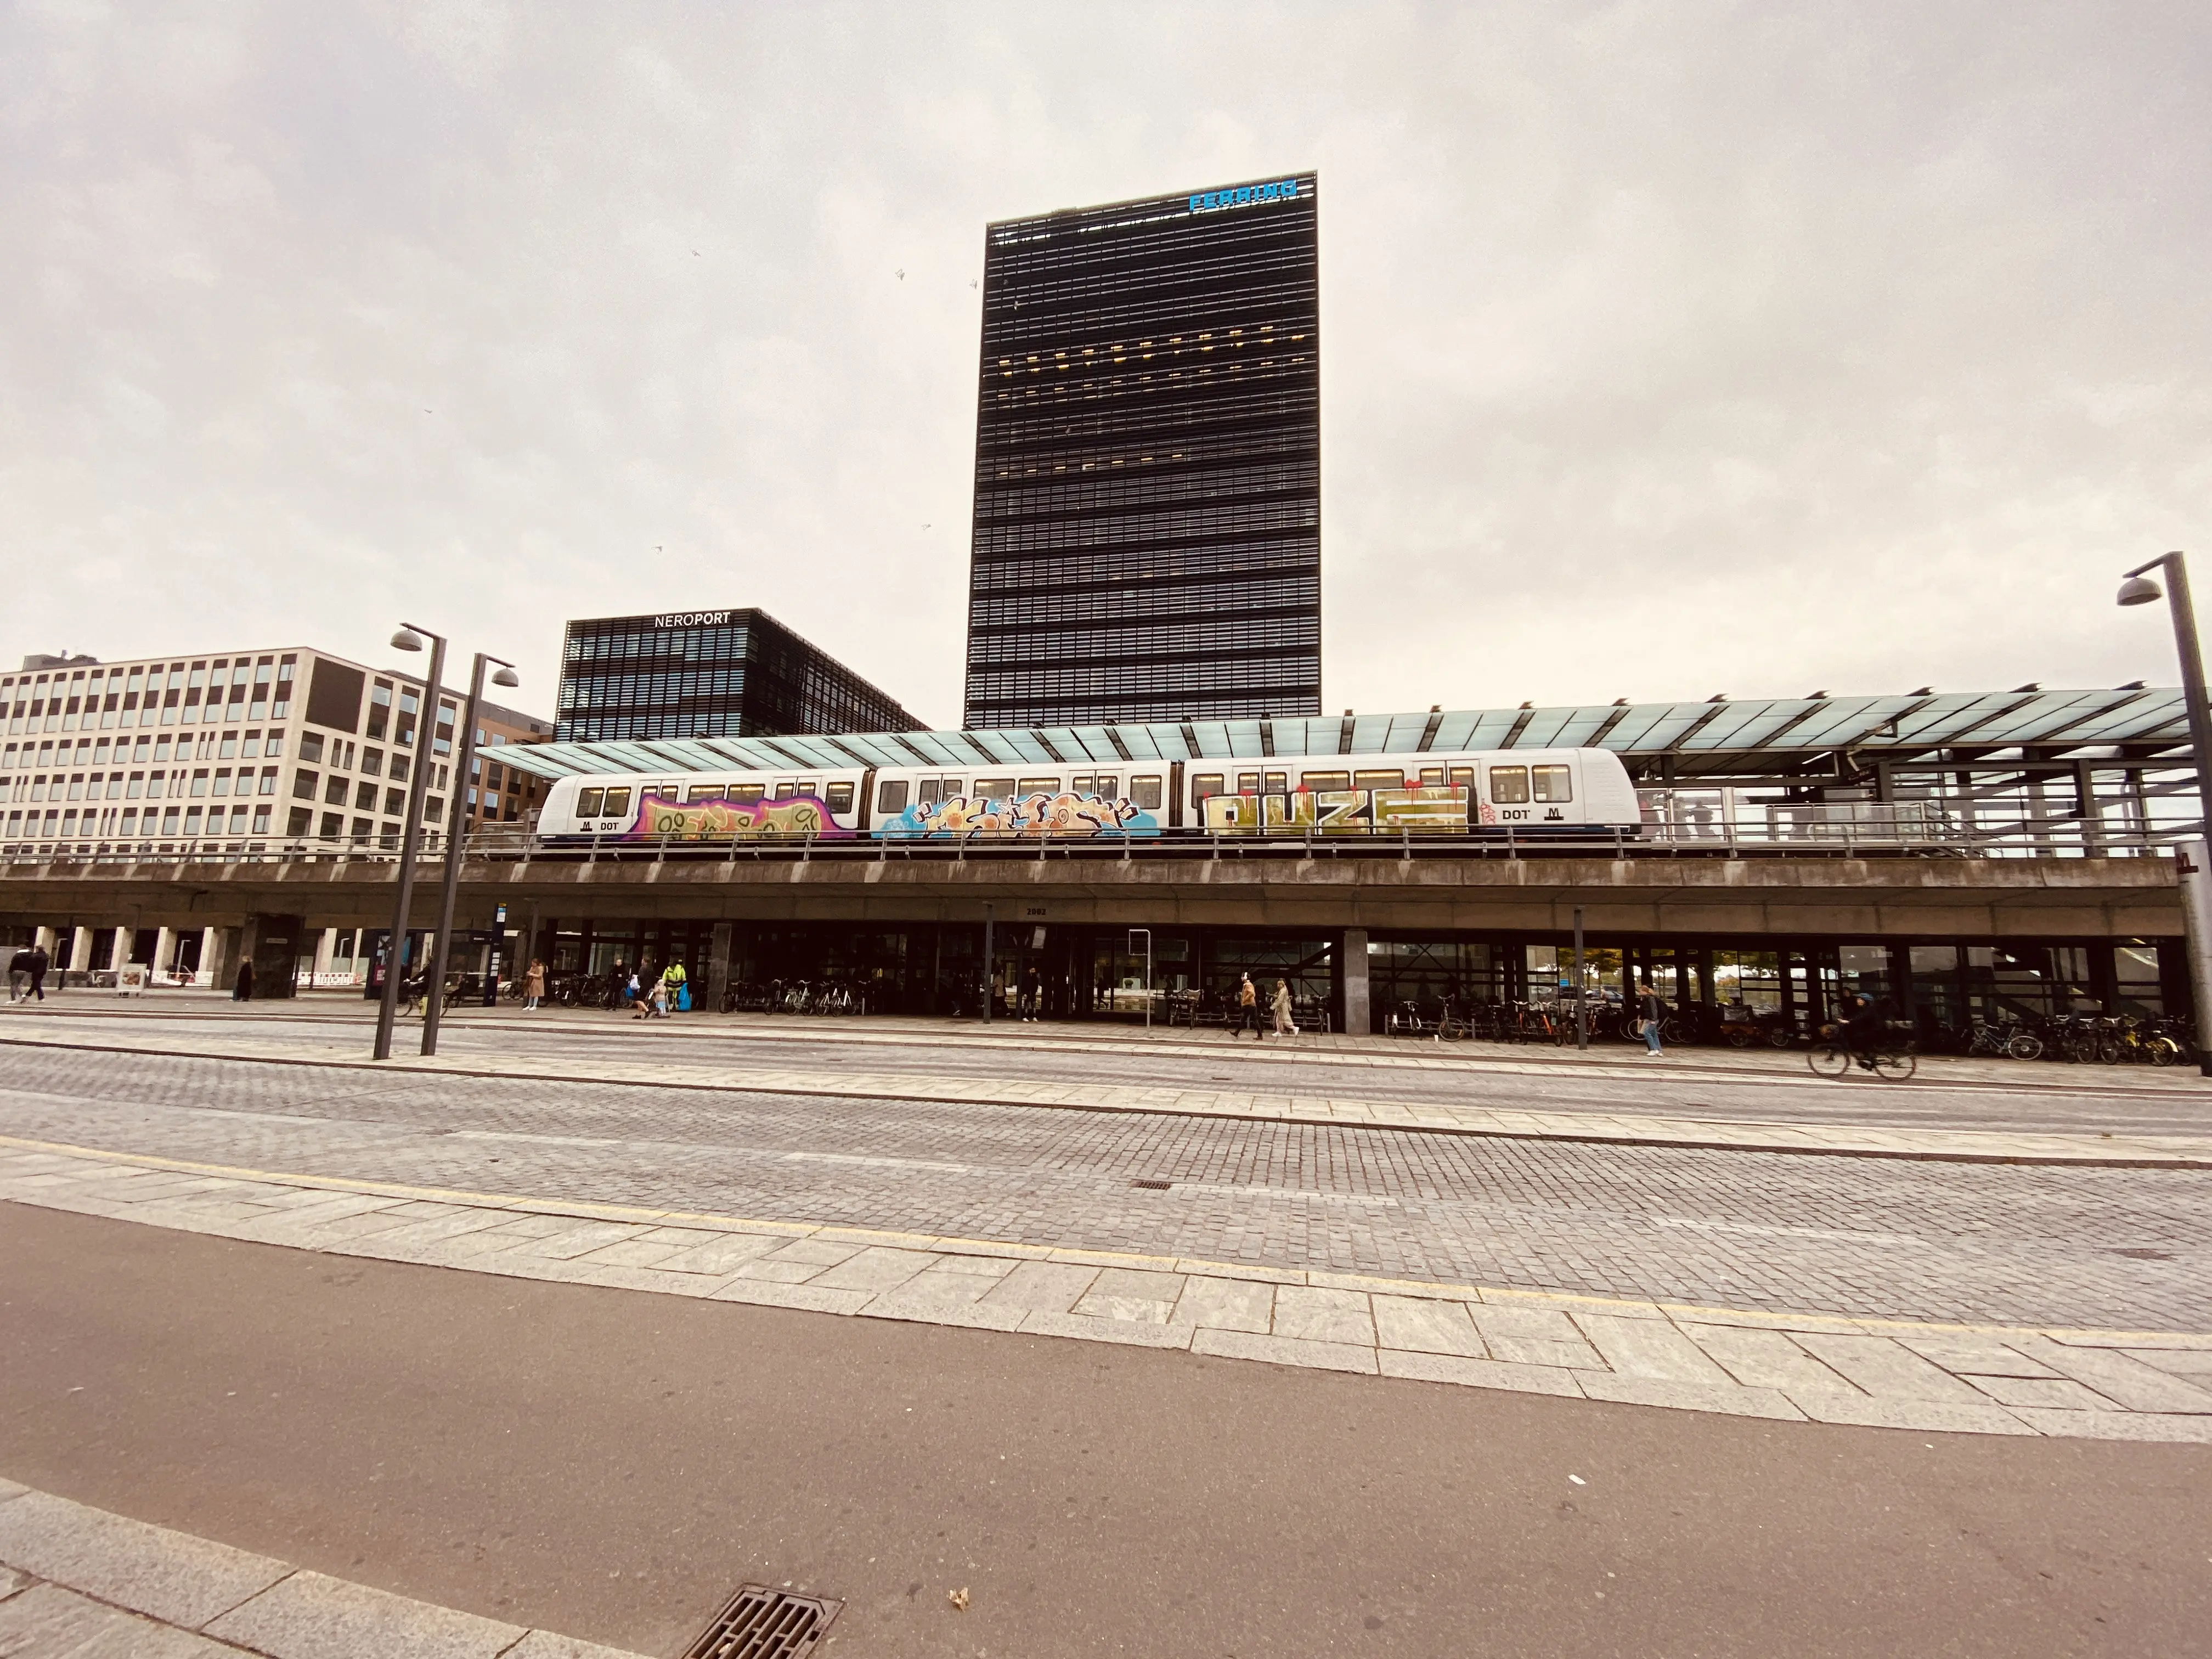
x=2002 y=1041
x=1832 y=1055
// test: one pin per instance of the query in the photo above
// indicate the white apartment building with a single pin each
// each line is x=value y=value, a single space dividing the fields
x=222 y=753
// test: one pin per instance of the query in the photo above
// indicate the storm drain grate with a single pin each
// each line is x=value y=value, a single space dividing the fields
x=1154 y=1185
x=761 y=1623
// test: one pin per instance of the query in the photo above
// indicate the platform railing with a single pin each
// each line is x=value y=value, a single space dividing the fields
x=2038 y=838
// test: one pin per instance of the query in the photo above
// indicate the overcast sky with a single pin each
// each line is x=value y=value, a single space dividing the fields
x=1667 y=350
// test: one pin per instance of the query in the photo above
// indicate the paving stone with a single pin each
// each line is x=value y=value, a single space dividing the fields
x=147 y=1569
x=1980 y=1356
x=1534 y=1336
x=765 y=1294
x=12 y=1582
x=1721 y=1397
x=1285 y=1351
x=542 y=1645
x=2054 y=1393
x=48 y=1622
x=2176 y=1427
x=641 y=1252
x=2189 y=1363
x=1765 y=1359
x=1324 y=1315
x=1888 y=1372
x=1122 y=1293
x=1426 y=1326
x=873 y=1270
x=1044 y=1286
x=309 y=1616
x=724 y=1254
x=1129 y=1332
x=1648 y=1348
x=1478 y=1373
x=1226 y=1305
x=1942 y=1416
x=2121 y=1377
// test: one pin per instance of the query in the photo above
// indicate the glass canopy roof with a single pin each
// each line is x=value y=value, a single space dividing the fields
x=1714 y=737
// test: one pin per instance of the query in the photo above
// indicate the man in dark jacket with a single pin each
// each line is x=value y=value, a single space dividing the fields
x=1652 y=1013
x=39 y=962
x=19 y=976
x=242 y=991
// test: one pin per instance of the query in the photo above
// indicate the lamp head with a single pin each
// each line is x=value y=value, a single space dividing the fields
x=2140 y=590
x=506 y=677
x=406 y=639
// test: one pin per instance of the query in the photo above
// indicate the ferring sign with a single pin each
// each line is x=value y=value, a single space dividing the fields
x=692 y=619
x=1212 y=201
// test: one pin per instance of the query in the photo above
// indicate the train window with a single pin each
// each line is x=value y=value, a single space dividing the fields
x=699 y=791
x=785 y=790
x=1083 y=783
x=1278 y=783
x=841 y=797
x=1509 y=784
x=616 y=804
x=1040 y=785
x=891 y=795
x=1108 y=786
x=1248 y=783
x=1379 y=780
x=807 y=787
x=1462 y=777
x=1555 y=783
x=1145 y=794
x=1326 y=780
x=1204 y=785
x=925 y=793
x=952 y=788
x=587 y=802
x=747 y=795
x=994 y=788
x=1432 y=777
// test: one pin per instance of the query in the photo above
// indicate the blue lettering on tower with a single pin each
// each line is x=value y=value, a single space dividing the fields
x=1212 y=201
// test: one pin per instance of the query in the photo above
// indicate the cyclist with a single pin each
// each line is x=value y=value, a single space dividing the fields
x=1864 y=1028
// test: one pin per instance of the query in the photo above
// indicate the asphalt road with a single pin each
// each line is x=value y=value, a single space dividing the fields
x=612 y=1464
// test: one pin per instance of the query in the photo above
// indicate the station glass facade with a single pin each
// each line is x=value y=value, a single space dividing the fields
x=708 y=674
x=1147 y=521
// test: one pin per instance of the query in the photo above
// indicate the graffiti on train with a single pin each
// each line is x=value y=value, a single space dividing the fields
x=1432 y=808
x=723 y=819
x=1039 y=814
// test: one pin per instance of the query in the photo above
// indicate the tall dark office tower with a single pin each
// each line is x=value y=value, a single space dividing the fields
x=1147 y=539
x=708 y=674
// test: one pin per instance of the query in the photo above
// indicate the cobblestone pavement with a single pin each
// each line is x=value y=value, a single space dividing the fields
x=2037 y=1246
x=1709 y=1084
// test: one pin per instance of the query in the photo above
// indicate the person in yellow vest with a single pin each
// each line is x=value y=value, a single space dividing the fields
x=672 y=980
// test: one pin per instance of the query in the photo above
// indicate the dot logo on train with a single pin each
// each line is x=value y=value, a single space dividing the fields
x=1486 y=793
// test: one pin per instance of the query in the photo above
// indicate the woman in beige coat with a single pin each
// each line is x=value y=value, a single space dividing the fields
x=1284 y=1026
x=533 y=984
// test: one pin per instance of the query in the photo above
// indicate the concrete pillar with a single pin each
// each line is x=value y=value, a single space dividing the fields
x=81 y=949
x=213 y=955
x=718 y=966
x=2194 y=860
x=118 y=951
x=1358 y=1020
x=165 y=950
x=326 y=949
x=45 y=941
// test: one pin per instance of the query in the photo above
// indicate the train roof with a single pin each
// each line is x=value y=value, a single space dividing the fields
x=1715 y=738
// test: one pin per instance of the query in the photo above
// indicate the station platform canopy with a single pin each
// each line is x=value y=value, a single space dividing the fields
x=1816 y=738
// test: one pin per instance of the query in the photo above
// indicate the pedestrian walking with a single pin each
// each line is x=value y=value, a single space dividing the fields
x=241 y=989
x=533 y=983
x=1284 y=1026
x=1248 y=1012
x=1652 y=1010
x=1032 y=989
x=39 y=962
x=19 y=976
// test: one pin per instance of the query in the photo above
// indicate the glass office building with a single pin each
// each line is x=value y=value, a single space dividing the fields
x=1147 y=532
x=708 y=674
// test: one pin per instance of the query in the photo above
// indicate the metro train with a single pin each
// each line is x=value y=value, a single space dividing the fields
x=1563 y=792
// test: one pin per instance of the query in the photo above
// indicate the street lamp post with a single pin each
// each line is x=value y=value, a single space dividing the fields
x=456 y=824
x=2138 y=588
x=409 y=638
